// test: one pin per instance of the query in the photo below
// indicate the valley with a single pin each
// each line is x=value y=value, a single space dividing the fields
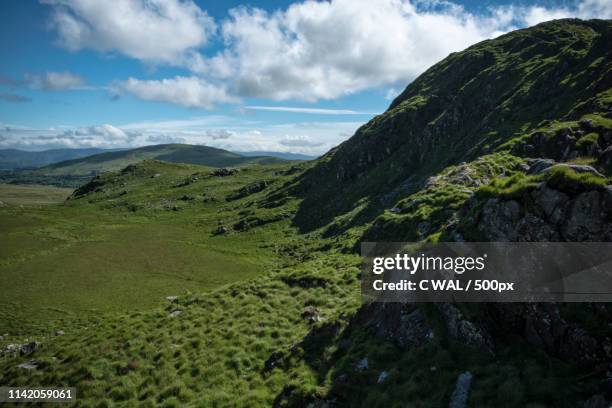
x=158 y=283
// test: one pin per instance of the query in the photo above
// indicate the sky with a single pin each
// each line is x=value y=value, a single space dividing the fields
x=245 y=76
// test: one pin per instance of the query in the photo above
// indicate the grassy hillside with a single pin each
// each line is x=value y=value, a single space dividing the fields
x=265 y=265
x=173 y=153
x=152 y=227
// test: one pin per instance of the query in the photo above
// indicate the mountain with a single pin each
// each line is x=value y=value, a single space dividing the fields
x=280 y=155
x=16 y=159
x=466 y=106
x=174 y=153
x=509 y=140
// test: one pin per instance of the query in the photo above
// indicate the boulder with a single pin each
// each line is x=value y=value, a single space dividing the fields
x=538 y=165
x=462 y=391
x=311 y=314
x=578 y=168
x=30 y=365
x=28 y=348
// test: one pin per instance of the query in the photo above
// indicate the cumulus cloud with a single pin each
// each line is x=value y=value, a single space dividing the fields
x=311 y=50
x=312 y=138
x=54 y=81
x=191 y=92
x=147 y=30
x=102 y=136
x=299 y=141
x=323 y=50
x=219 y=134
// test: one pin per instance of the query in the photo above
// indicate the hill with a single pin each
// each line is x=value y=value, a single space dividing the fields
x=76 y=172
x=509 y=140
x=173 y=153
x=11 y=159
x=466 y=106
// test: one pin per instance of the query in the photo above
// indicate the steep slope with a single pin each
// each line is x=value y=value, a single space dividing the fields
x=17 y=159
x=467 y=105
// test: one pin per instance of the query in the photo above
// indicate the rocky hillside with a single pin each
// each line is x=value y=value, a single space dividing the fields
x=468 y=105
x=509 y=140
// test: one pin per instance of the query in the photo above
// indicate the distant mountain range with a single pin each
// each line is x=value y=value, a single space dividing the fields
x=11 y=159
x=79 y=169
x=18 y=159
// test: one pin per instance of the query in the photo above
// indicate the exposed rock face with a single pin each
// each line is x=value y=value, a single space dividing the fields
x=544 y=214
x=397 y=323
x=465 y=331
x=542 y=325
x=462 y=391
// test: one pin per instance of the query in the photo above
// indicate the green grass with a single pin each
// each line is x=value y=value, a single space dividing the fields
x=29 y=195
x=100 y=253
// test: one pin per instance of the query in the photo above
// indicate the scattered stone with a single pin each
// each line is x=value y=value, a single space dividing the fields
x=224 y=172
x=10 y=349
x=462 y=391
x=30 y=365
x=382 y=377
x=311 y=314
x=363 y=364
x=172 y=299
x=59 y=333
x=175 y=313
x=221 y=230
x=28 y=348
x=433 y=369
x=156 y=175
x=586 y=123
x=578 y=168
x=539 y=165
x=273 y=361
x=395 y=210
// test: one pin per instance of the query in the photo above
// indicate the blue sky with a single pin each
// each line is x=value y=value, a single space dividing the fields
x=262 y=75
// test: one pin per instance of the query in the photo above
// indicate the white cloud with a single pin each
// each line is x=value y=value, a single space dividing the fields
x=54 y=81
x=229 y=133
x=148 y=30
x=311 y=50
x=314 y=111
x=299 y=141
x=323 y=50
x=191 y=92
